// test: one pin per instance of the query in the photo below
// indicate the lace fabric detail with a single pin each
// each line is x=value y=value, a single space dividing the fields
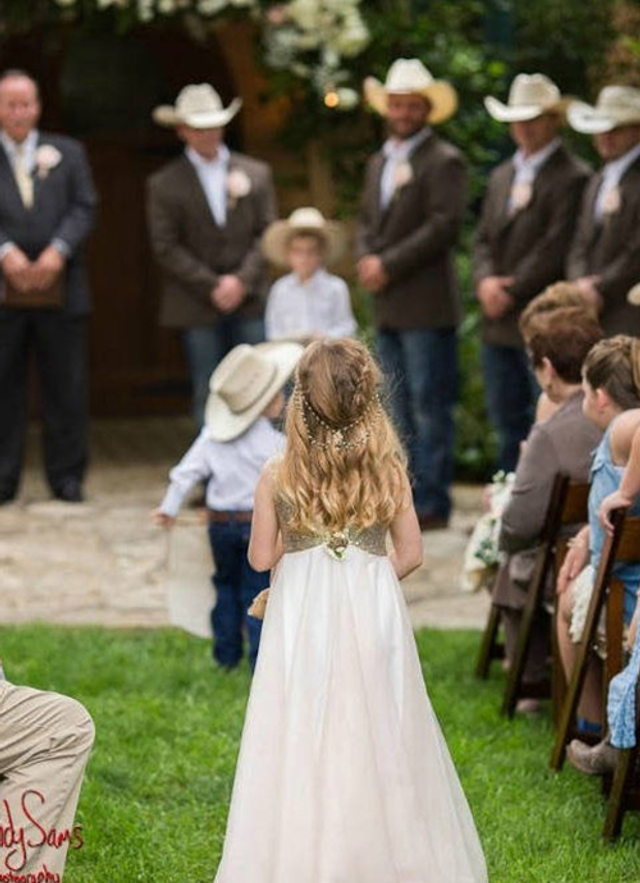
x=371 y=539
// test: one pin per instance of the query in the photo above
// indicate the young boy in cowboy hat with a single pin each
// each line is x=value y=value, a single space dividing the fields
x=235 y=443
x=308 y=301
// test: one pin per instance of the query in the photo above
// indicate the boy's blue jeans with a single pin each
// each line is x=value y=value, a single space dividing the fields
x=236 y=584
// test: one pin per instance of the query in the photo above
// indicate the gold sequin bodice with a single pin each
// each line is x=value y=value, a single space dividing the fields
x=371 y=539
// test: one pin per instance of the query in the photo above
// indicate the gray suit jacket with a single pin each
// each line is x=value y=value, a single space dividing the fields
x=63 y=208
x=415 y=237
x=611 y=250
x=530 y=244
x=192 y=251
x=563 y=443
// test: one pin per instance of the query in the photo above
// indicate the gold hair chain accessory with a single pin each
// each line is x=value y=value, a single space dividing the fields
x=337 y=434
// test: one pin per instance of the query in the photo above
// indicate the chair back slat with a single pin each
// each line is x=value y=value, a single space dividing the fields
x=576 y=503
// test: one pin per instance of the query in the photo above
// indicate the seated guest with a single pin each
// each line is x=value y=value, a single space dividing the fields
x=558 y=342
x=45 y=741
x=622 y=702
x=612 y=402
x=309 y=301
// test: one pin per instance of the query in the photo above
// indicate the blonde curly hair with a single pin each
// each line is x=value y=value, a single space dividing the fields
x=343 y=464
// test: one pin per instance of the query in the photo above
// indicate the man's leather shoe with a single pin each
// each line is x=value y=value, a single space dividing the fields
x=70 y=492
x=432 y=522
x=596 y=760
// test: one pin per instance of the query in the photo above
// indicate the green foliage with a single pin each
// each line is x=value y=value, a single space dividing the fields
x=155 y=798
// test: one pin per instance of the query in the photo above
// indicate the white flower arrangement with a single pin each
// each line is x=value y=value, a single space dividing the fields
x=612 y=201
x=47 y=158
x=402 y=175
x=520 y=197
x=334 y=29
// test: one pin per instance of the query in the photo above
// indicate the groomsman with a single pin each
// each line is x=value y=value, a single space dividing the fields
x=47 y=205
x=413 y=204
x=207 y=211
x=605 y=255
x=526 y=226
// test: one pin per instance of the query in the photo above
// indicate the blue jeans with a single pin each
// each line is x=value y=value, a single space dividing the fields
x=237 y=584
x=510 y=391
x=421 y=365
x=207 y=345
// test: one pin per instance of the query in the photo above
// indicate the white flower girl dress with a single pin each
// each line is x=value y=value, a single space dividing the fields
x=343 y=774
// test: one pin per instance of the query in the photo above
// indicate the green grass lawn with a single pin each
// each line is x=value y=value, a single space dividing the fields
x=155 y=797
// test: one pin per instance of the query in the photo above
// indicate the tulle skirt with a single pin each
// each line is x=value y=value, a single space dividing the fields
x=343 y=775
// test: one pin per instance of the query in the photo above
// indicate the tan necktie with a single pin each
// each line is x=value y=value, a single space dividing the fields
x=23 y=178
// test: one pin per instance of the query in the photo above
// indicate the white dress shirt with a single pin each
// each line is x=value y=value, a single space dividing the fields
x=321 y=305
x=527 y=167
x=232 y=468
x=397 y=151
x=29 y=149
x=212 y=174
x=612 y=174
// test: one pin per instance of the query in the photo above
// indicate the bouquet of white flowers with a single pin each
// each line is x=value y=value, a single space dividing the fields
x=482 y=556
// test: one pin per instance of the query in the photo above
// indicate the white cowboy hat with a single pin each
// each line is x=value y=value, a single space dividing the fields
x=616 y=106
x=408 y=76
x=303 y=220
x=530 y=96
x=199 y=107
x=244 y=383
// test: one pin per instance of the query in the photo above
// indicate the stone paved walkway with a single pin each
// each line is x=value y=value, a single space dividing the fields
x=103 y=561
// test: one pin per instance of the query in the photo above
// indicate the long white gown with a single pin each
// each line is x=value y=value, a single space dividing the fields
x=343 y=774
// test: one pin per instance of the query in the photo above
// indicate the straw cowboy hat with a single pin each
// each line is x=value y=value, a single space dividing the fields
x=633 y=295
x=408 y=76
x=303 y=220
x=244 y=383
x=530 y=96
x=616 y=106
x=199 y=107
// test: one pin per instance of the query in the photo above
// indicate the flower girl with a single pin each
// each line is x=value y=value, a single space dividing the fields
x=343 y=775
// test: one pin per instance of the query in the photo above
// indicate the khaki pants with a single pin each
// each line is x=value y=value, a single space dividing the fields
x=45 y=741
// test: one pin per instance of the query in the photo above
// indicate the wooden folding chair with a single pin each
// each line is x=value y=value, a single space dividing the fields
x=622 y=545
x=568 y=505
x=491 y=647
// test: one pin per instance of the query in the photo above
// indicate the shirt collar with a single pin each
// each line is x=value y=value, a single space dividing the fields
x=614 y=170
x=318 y=276
x=536 y=160
x=200 y=162
x=401 y=149
x=28 y=145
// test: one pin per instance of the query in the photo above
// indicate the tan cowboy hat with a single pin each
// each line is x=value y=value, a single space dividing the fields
x=616 y=106
x=408 y=76
x=199 y=107
x=303 y=220
x=244 y=383
x=530 y=96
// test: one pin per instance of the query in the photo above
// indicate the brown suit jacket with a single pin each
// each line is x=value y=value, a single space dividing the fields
x=611 y=250
x=192 y=251
x=530 y=244
x=563 y=443
x=415 y=237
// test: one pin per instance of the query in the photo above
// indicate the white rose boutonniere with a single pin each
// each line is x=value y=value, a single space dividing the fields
x=47 y=158
x=612 y=201
x=402 y=175
x=238 y=185
x=520 y=197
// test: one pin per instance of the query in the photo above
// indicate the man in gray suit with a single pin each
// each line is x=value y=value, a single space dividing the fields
x=47 y=204
x=527 y=222
x=207 y=211
x=412 y=208
x=605 y=254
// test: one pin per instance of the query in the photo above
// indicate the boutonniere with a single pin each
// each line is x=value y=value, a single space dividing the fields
x=47 y=158
x=520 y=197
x=238 y=185
x=402 y=175
x=612 y=201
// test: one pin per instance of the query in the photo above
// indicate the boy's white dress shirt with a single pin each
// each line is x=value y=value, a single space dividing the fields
x=233 y=468
x=319 y=306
